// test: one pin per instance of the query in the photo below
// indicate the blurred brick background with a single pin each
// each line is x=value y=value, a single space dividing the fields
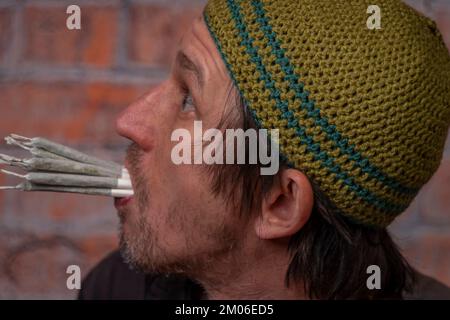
x=69 y=85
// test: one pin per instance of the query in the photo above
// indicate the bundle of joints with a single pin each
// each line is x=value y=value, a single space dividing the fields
x=58 y=168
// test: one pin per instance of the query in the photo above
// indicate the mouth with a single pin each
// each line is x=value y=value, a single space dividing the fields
x=122 y=202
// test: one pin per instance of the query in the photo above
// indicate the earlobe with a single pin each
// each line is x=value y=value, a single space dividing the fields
x=286 y=207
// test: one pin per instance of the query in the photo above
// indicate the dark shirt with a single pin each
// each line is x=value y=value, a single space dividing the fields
x=113 y=279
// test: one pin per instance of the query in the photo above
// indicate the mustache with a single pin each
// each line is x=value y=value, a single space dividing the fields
x=134 y=158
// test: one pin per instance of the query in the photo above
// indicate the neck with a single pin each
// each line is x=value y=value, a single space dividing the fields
x=254 y=276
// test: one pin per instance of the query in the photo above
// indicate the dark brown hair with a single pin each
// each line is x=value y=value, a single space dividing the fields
x=329 y=254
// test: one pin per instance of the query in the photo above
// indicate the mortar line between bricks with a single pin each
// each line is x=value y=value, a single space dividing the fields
x=165 y=2
x=106 y=3
x=8 y=3
x=423 y=6
x=15 y=50
x=65 y=3
x=428 y=7
x=121 y=57
x=50 y=73
x=419 y=231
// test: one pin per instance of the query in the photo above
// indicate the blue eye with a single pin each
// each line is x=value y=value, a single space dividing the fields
x=188 y=103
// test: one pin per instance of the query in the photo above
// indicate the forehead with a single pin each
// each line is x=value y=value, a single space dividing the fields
x=196 y=32
x=194 y=42
x=199 y=46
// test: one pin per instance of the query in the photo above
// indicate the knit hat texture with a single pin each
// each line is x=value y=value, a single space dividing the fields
x=363 y=113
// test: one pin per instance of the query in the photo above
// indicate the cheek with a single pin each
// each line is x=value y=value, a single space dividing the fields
x=184 y=194
x=200 y=208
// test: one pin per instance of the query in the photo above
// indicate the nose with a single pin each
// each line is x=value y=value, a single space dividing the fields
x=135 y=122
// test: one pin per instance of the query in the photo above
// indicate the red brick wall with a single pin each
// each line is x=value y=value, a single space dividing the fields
x=423 y=231
x=70 y=85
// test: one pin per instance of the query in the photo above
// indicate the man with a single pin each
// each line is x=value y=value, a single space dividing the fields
x=362 y=116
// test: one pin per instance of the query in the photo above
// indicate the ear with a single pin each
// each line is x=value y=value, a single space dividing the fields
x=286 y=207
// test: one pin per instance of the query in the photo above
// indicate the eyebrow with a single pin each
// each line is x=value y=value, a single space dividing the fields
x=186 y=63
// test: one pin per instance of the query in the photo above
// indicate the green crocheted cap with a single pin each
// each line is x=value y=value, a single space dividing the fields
x=363 y=113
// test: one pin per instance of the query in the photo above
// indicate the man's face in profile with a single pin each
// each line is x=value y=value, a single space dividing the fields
x=175 y=223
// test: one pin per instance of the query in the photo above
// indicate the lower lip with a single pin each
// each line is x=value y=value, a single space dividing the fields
x=121 y=202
